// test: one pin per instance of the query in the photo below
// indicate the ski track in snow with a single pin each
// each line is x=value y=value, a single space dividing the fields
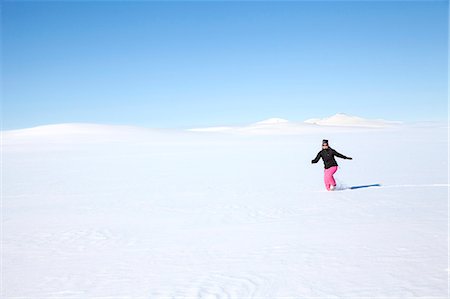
x=417 y=185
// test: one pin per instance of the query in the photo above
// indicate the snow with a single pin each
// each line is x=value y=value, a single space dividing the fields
x=342 y=119
x=211 y=129
x=117 y=211
x=271 y=126
x=272 y=121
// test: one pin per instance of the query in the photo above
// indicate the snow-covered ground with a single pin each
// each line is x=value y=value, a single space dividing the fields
x=109 y=211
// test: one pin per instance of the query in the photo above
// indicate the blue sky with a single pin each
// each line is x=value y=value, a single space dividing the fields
x=190 y=64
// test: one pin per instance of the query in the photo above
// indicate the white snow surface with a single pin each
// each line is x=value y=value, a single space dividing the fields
x=96 y=211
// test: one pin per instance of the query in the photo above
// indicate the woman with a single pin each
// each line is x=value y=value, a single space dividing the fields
x=327 y=154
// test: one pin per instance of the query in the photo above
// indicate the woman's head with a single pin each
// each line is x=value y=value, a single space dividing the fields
x=325 y=143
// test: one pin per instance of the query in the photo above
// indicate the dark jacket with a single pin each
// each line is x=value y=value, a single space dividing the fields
x=327 y=156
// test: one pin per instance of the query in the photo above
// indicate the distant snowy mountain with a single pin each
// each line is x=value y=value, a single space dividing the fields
x=211 y=129
x=272 y=121
x=342 y=119
x=73 y=132
x=70 y=129
x=339 y=121
x=268 y=126
x=265 y=124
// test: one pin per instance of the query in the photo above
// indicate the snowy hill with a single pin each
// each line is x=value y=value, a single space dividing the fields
x=77 y=132
x=342 y=119
x=66 y=129
x=71 y=130
x=84 y=133
x=272 y=121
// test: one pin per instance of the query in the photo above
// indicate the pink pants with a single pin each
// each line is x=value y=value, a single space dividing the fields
x=328 y=177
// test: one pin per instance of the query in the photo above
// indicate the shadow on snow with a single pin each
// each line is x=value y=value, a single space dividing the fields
x=364 y=186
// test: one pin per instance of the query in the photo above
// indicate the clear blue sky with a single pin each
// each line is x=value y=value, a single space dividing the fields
x=189 y=64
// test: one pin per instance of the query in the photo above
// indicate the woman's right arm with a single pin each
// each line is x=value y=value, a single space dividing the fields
x=316 y=159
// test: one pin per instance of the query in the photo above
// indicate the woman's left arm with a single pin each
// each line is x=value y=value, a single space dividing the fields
x=341 y=155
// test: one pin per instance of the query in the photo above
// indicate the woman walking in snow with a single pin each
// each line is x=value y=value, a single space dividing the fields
x=327 y=154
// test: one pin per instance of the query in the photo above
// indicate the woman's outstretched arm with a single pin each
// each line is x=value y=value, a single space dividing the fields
x=341 y=155
x=316 y=159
